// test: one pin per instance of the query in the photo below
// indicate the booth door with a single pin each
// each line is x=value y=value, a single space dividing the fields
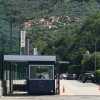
x=41 y=79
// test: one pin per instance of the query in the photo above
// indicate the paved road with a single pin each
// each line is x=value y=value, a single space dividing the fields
x=69 y=90
x=53 y=98
x=74 y=87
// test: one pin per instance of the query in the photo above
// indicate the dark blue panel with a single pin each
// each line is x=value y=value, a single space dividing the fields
x=41 y=87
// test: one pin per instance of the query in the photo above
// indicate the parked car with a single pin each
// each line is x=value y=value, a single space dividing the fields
x=87 y=76
x=63 y=76
x=71 y=76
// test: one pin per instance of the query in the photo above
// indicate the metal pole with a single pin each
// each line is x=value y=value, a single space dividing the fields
x=2 y=64
x=10 y=83
x=28 y=46
x=95 y=57
x=20 y=41
x=2 y=74
x=2 y=53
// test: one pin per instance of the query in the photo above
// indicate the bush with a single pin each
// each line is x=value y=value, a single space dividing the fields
x=98 y=76
x=97 y=56
x=98 y=73
x=74 y=69
x=89 y=62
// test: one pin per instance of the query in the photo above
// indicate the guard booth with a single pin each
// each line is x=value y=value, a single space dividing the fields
x=40 y=73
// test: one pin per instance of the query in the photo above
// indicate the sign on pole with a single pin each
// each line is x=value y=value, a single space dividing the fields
x=35 y=51
x=23 y=36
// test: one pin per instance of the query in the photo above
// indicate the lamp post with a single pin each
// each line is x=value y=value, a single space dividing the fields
x=11 y=27
x=10 y=49
x=2 y=53
x=2 y=64
x=95 y=58
x=10 y=21
x=2 y=59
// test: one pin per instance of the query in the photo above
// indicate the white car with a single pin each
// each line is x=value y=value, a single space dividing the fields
x=63 y=76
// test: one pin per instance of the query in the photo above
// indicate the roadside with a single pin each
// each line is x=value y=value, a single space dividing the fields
x=74 y=87
x=56 y=97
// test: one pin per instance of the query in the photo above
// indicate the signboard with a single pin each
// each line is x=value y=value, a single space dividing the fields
x=23 y=36
x=35 y=51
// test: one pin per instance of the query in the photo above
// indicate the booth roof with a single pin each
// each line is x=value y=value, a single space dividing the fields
x=25 y=58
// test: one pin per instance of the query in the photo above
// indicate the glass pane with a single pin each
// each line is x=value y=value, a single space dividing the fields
x=41 y=72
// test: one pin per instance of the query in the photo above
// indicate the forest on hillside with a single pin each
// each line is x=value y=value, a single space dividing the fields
x=65 y=28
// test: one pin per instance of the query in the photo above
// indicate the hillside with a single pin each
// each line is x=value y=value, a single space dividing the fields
x=54 y=22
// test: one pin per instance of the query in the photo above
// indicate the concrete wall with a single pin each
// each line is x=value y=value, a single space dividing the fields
x=5 y=90
x=8 y=87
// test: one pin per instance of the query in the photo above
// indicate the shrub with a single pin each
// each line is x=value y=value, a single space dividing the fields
x=98 y=76
x=74 y=69
x=98 y=73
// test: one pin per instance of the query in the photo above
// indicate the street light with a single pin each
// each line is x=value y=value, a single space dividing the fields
x=95 y=58
x=1 y=57
x=10 y=21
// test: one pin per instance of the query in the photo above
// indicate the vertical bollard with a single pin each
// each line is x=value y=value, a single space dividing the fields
x=63 y=90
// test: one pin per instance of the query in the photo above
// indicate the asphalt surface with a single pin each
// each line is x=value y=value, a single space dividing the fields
x=69 y=90
x=53 y=98
x=74 y=87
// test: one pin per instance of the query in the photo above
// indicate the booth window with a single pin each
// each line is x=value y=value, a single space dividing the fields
x=42 y=72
